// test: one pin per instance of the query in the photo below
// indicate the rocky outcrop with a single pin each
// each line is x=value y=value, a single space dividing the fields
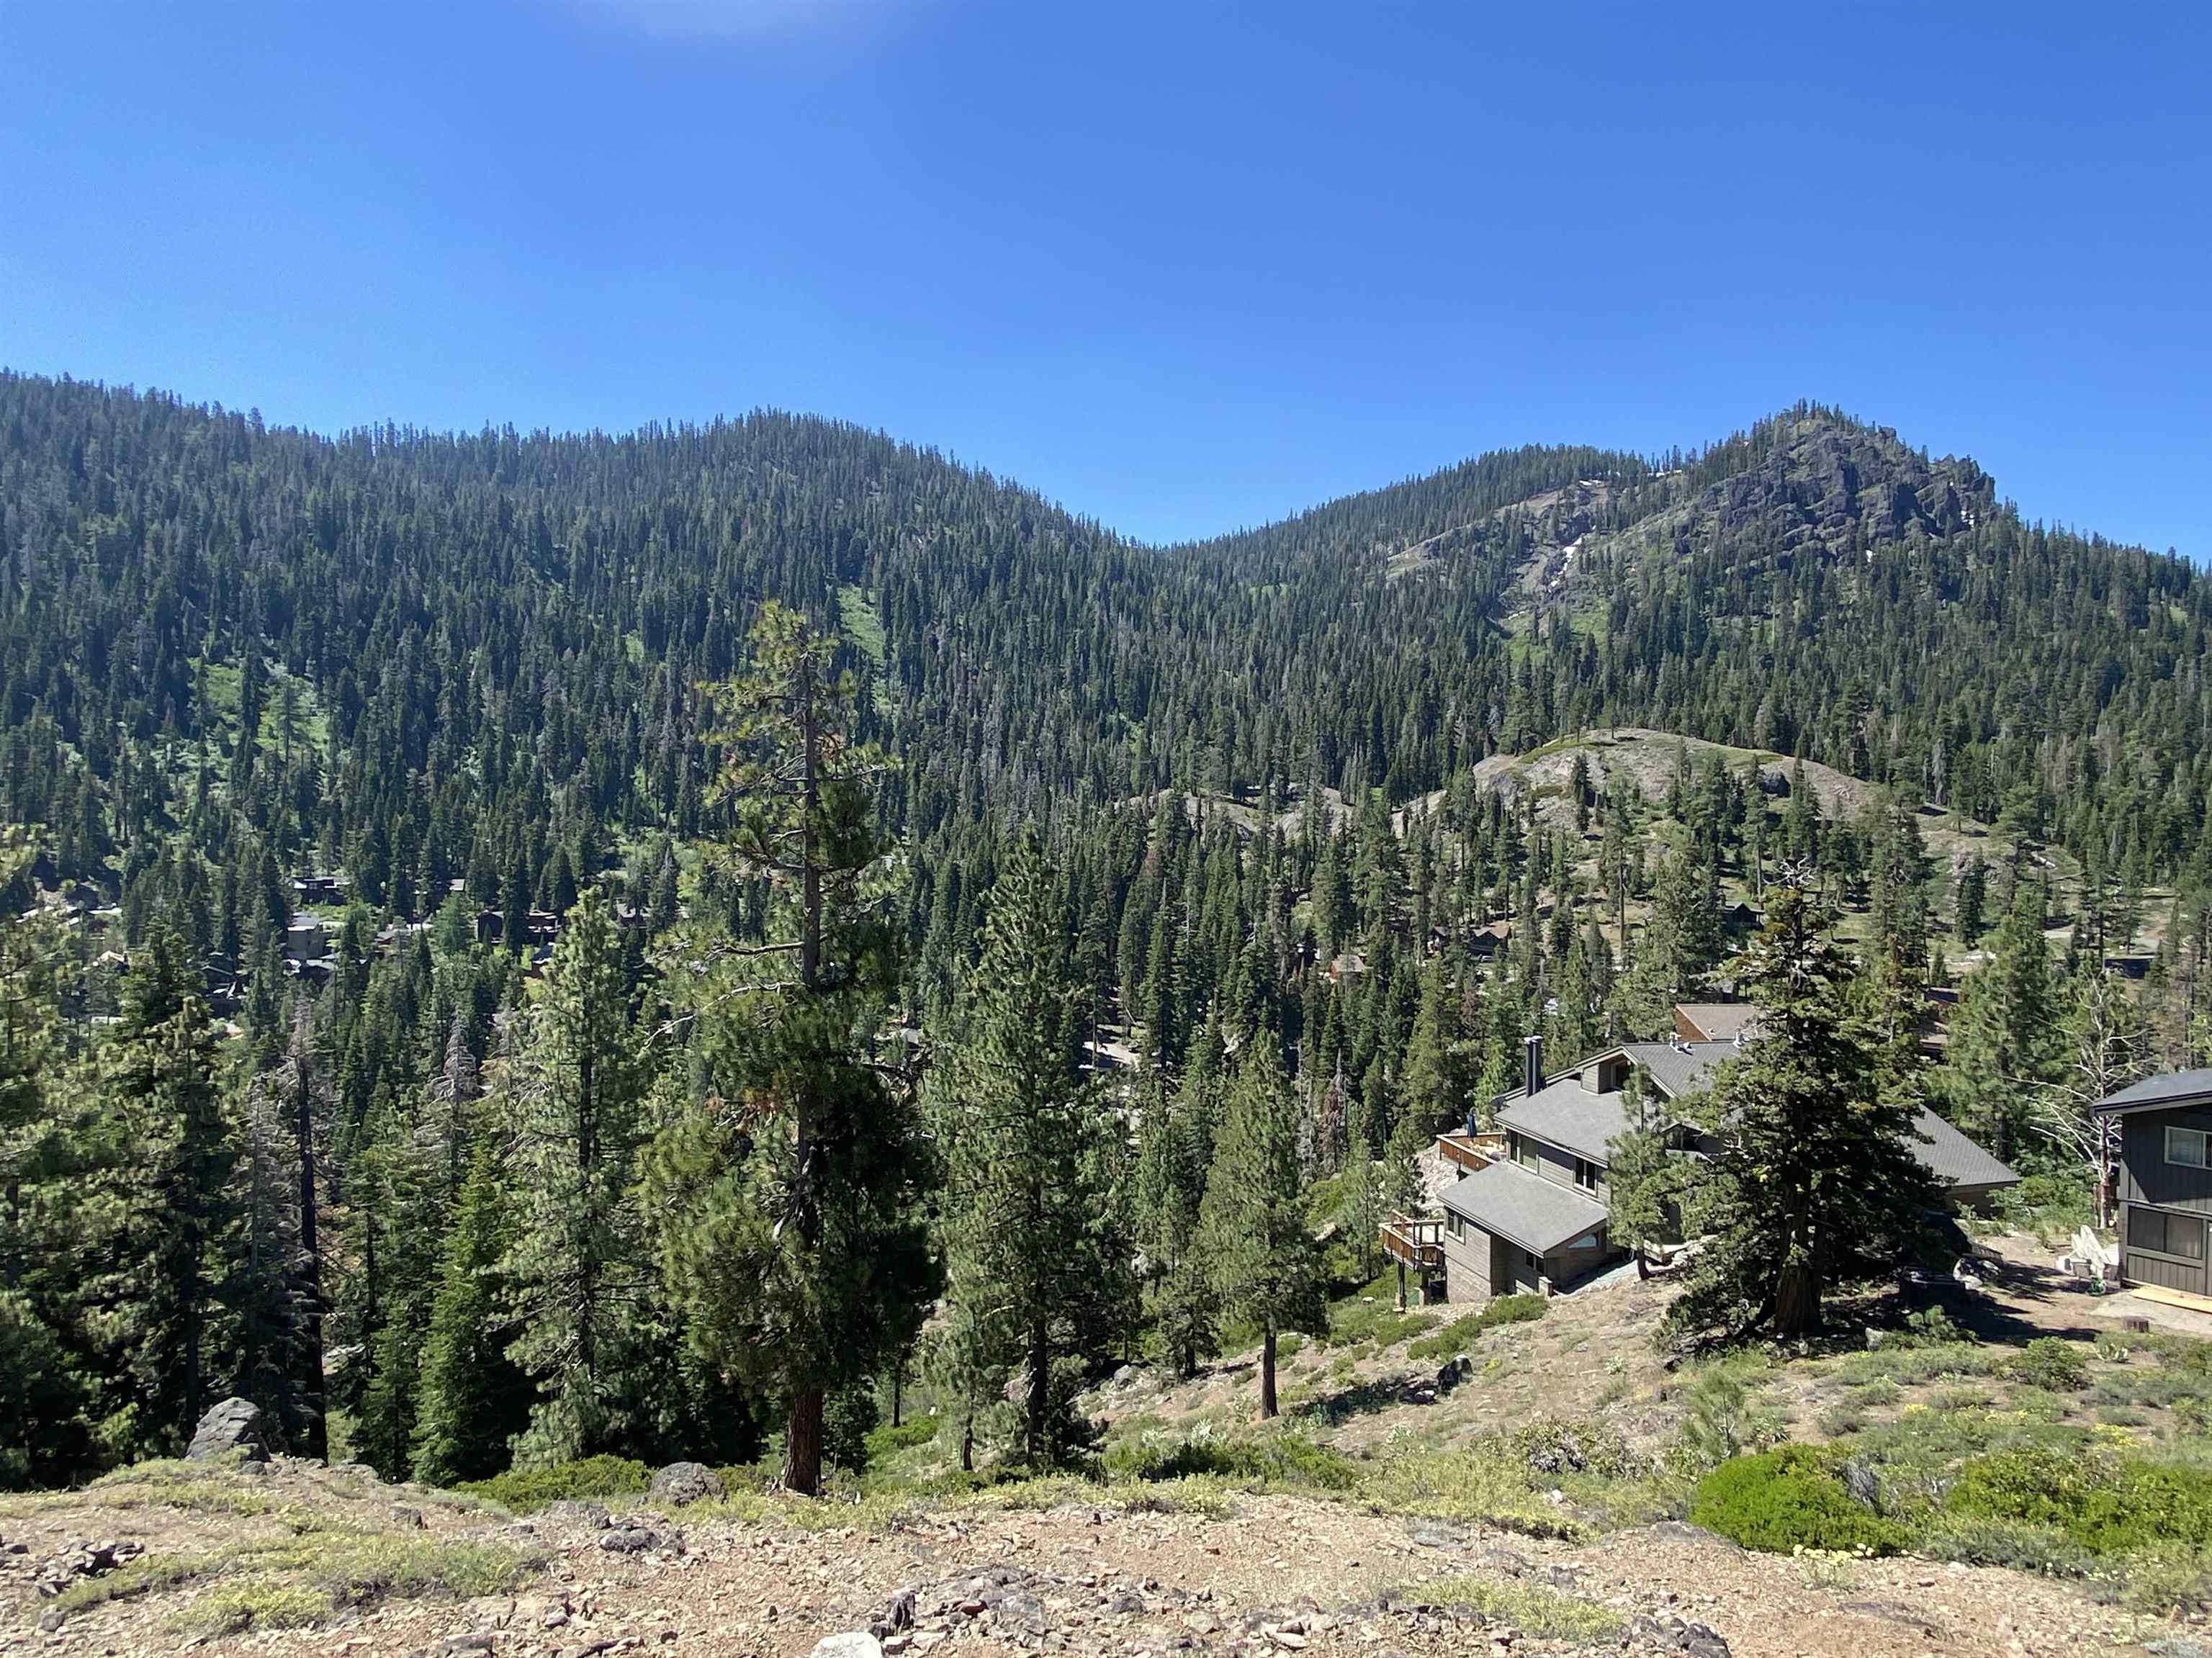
x=230 y=1430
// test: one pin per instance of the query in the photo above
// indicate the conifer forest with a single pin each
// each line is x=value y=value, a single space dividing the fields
x=705 y=942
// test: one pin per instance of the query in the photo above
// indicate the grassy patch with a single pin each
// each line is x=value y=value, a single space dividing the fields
x=1459 y=1334
x=1534 y=1609
x=520 y=1490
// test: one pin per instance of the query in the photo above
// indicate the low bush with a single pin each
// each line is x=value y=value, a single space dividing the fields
x=2048 y=1361
x=1460 y=1335
x=1787 y=1499
x=2107 y=1504
x=520 y=1490
x=888 y=1440
x=1534 y=1609
x=1279 y=1460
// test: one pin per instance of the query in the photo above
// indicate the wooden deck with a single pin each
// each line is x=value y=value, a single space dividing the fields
x=2166 y=1297
x=1415 y=1242
x=1471 y=1151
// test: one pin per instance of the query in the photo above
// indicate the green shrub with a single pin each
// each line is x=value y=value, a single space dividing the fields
x=1270 y=1460
x=2048 y=1361
x=888 y=1440
x=2107 y=1504
x=1931 y=1327
x=1457 y=1336
x=1787 y=1499
x=520 y=1490
x=2020 y=1545
x=1555 y=1446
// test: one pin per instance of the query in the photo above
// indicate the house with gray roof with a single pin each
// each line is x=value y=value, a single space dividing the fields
x=2163 y=1179
x=1535 y=1219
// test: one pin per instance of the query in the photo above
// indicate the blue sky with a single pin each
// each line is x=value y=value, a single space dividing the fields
x=1181 y=267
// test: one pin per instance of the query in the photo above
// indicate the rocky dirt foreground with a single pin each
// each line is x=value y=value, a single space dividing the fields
x=1276 y=1574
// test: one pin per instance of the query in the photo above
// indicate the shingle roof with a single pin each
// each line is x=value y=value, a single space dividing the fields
x=1721 y=1022
x=1954 y=1159
x=2172 y=1089
x=1684 y=1069
x=1538 y=1214
x=1564 y=1114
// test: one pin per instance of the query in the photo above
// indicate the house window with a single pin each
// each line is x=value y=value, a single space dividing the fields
x=1585 y=1174
x=1524 y=1153
x=1453 y=1224
x=2187 y=1146
x=2155 y=1232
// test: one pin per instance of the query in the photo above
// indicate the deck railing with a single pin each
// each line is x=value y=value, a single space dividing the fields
x=1414 y=1240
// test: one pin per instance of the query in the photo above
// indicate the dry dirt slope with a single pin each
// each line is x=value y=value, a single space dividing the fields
x=1253 y=1574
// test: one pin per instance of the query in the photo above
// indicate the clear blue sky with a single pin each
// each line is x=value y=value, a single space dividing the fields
x=1182 y=267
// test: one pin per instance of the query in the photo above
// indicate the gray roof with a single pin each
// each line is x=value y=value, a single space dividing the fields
x=1952 y=1159
x=1724 y=1022
x=1681 y=1068
x=2174 y=1088
x=1564 y=1114
x=1538 y=1214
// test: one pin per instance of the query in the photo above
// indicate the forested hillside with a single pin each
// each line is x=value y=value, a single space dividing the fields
x=442 y=856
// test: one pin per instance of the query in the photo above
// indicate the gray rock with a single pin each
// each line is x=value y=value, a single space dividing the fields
x=1438 y=1534
x=2177 y=1646
x=682 y=1483
x=853 y=1643
x=569 y=1511
x=629 y=1540
x=230 y=1429
x=1701 y=1641
x=1862 y=1484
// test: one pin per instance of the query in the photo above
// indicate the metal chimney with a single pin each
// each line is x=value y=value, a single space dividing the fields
x=1533 y=1047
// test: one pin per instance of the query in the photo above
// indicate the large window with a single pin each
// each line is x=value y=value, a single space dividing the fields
x=2187 y=1146
x=2157 y=1233
x=1585 y=1174
x=1524 y=1152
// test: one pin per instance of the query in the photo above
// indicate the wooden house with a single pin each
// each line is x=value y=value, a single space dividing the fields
x=2164 y=1180
x=1533 y=1217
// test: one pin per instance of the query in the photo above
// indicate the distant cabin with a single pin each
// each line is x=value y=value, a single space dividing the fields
x=1530 y=1214
x=2164 y=1180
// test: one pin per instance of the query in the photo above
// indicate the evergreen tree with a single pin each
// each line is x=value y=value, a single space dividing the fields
x=573 y=1089
x=1644 y=1177
x=474 y=1400
x=1020 y=1126
x=804 y=1265
x=1264 y=1261
x=2005 y=1035
x=1815 y=1166
x=182 y=1233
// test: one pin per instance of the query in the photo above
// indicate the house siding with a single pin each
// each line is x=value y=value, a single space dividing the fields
x=1466 y=1264
x=2147 y=1177
x=2149 y=1182
x=1556 y=1165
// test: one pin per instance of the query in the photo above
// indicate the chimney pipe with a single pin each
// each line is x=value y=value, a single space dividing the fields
x=1533 y=1048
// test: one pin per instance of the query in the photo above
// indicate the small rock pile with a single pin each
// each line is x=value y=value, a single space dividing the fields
x=84 y=1559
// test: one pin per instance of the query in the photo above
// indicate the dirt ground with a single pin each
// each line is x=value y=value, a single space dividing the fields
x=1276 y=1574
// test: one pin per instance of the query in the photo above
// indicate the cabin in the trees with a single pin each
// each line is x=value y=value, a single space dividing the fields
x=1530 y=1215
x=2165 y=1178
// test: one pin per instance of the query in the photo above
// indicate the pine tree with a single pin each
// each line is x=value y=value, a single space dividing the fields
x=1264 y=1261
x=1816 y=1164
x=1643 y=1177
x=573 y=1089
x=805 y=1264
x=1019 y=1125
x=474 y=1398
x=2005 y=1036
x=1436 y=1073
x=182 y=1233
x=1364 y=1211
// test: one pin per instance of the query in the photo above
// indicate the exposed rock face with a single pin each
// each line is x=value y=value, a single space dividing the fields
x=853 y=1644
x=681 y=1483
x=230 y=1429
